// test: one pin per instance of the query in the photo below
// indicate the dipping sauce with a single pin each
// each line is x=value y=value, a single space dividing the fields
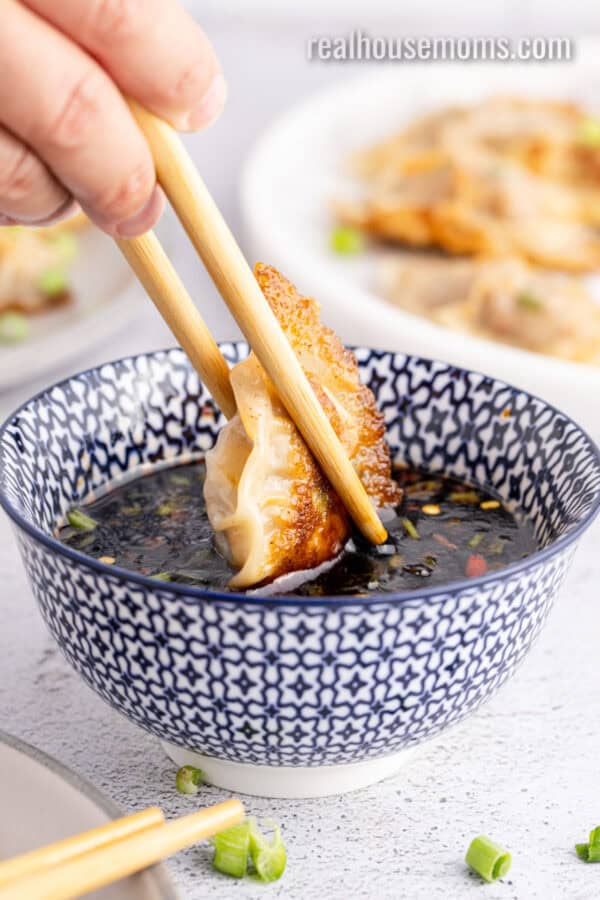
x=442 y=531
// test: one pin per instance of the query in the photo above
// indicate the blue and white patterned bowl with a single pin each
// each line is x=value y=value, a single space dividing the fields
x=284 y=696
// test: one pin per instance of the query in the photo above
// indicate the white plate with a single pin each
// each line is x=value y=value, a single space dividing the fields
x=106 y=299
x=42 y=801
x=296 y=168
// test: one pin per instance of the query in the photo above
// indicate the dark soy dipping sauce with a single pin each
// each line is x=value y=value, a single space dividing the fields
x=156 y=525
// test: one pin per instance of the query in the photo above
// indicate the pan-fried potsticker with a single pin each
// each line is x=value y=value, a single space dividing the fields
x=271 y=507
x=503 y=299
x=502 y=178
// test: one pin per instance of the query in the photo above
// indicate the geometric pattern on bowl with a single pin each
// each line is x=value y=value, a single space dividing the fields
x=292 y=681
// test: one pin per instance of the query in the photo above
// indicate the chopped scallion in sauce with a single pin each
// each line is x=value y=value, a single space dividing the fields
x=157 y=525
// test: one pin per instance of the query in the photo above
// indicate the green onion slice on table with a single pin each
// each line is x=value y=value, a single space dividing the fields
x=268 y=857
x=590 y=852
x=232 y=847
x=487 y=858
x=241 y=843
x=189 y=779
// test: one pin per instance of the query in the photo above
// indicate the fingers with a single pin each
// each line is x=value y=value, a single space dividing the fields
x=75 y=120
x=152 y=49
x=29 y=193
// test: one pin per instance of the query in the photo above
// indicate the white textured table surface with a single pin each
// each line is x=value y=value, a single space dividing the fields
x=525 y=769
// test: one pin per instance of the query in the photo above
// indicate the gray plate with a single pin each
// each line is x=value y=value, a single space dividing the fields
x=42 y=801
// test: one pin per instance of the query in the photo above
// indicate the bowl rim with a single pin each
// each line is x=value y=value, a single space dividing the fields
x=193 y=594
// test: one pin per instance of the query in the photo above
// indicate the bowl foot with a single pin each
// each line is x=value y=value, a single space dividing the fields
x=289 y=782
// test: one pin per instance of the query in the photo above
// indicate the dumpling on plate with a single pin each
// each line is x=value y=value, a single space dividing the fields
x=272 y=509
x=34 y=266
x=472 y=207
x=503 y=299
x=503 y=178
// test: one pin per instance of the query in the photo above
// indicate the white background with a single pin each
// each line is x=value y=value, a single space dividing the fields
x=420 y=16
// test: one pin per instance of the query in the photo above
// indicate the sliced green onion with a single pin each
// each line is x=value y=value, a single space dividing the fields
x=180 y=479
x=188 y=780
x=594 y=846
x=464 y=497
x=410 y=529
x=165 y=509
x=268 y=857
x=52 y=282
x=162 y=576
x=590 y=852
x=67 y=245
x=583 y=851
x=14 y=328
x=497 y=546
x=131 y=510
x=232 y=847
x=346 y=240
x=78 y=519
x=476 y=540
x=487 y=858
x=589 y=132
x=529 y=301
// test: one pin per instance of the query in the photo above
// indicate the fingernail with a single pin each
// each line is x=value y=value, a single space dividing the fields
x=67 y=209
x=209 y=108
x=145 y=219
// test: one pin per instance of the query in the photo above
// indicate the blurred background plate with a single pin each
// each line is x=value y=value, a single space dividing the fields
x=42 y=801
x=296 y=169
x=106 y=300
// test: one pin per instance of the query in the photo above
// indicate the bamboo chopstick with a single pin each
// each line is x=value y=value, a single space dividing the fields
x=71 y=847
x=106 y=864
x=235 y=282
x=152 y=266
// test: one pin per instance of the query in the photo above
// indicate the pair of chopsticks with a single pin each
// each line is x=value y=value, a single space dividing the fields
x=210 y=235
x=88 y=861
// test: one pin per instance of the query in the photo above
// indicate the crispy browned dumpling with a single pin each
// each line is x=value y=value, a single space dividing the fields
x=546 y=137
x=26 y=255
x=505 y=177
x=271 y=507
x=505 y=299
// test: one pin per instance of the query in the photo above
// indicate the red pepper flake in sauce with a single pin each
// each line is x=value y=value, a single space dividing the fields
x=476 y=566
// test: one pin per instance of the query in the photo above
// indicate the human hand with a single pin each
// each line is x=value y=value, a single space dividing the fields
x=66 y=134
